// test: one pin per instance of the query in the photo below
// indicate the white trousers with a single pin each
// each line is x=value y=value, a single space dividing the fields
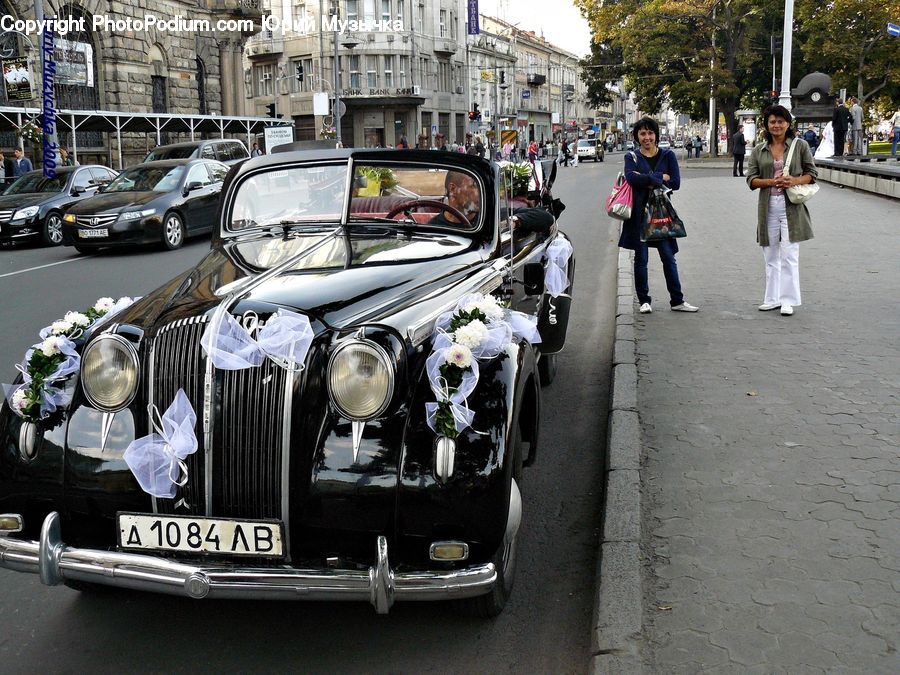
x=782 y=258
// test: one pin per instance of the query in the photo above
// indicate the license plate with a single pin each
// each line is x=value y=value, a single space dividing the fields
x=187 y=534
x=93 y=234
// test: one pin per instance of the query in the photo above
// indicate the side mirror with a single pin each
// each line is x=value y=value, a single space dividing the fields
x=534 y=278
x=193 y=185
x=77 y=190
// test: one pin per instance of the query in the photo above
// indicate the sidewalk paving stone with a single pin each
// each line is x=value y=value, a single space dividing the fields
x=771 y=470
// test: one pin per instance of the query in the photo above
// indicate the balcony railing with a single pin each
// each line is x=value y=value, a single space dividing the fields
x=536 y=79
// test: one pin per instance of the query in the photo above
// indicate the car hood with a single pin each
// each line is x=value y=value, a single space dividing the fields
x=374 y=290
x=27 y=199
x=114 y=201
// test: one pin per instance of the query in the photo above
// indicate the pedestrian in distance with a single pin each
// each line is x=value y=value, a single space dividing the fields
x=7 y=171
x=403 y=144
x=856 y=126
x=646 y=168
x=781 y=224
x=21 y=164
x=826 y=143
x=812 y=139
x=840 y=123
x=895 y=123
x=255 y=151
x=698 y=146
x=738 y=150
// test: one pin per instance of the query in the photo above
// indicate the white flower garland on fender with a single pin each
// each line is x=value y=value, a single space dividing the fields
x=479 y=328
x=556 y=279
x=53 y=360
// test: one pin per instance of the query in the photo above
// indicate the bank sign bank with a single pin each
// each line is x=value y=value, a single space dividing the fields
x=376 y=93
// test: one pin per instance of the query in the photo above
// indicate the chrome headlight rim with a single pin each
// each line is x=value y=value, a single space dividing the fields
x=132 y=355
x=384 y=357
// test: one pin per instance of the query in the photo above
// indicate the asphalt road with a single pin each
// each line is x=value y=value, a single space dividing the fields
x=545 y=627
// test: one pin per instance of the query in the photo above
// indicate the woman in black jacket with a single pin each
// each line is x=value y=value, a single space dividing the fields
x=646 y=168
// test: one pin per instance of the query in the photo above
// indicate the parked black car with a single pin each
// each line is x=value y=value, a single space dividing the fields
x=344 y=474
x=225 y=150
x=32 y=207
x=152 y=203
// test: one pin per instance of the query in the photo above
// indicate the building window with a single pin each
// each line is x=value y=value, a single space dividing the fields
x=453 y=25
x=386 y=9
x=201 y=86
x=388 y=70
x=443 y=24
x=420 y=18
x=370 y=10
x=400 y=4
x=310 y=76
x=354 y=72
x=372 y=72
x=262 y=75
x=353 y=10
x=404 y=68
x=300 y=17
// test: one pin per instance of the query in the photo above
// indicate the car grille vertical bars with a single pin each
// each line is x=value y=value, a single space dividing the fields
x=177 y=362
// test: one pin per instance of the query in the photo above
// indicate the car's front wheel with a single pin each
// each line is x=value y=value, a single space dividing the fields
x=173 y=231
x=51 y=234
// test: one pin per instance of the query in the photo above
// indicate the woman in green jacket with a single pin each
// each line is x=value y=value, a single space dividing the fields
x=781 y=224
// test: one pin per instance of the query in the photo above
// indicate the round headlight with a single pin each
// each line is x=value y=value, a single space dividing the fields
x=360 y=379
x=109 y=372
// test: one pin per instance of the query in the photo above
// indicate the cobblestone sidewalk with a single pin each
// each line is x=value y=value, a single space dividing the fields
x=771 y=474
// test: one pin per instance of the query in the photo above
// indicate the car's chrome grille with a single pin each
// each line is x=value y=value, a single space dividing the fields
x=96 y=221
x=248 y=442
x=178 y=362
x=6 y=214
x=247 y=423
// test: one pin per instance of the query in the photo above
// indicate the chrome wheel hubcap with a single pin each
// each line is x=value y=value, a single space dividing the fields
x=173 y=231
x=54 y=229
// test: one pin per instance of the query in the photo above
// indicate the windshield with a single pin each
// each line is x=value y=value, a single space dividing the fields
x=586 y=144
x=285 y=196
x=147 y=178
x=178 y=152
x=37 y=182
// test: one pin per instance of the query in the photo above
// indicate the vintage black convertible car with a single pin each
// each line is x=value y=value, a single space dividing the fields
x=357 y=466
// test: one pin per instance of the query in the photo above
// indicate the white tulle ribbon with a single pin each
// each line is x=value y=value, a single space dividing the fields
x=462 y=415
x=285 y=338
x=523 y=326
x=157 y=460
x=556 y=277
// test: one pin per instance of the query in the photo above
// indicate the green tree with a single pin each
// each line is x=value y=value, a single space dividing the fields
x=848 y=39
x=684 y=50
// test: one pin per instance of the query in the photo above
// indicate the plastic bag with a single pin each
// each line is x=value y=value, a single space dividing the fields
x=659 y=220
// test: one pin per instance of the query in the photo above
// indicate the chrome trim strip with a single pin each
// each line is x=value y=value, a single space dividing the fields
x=286 y=460
x=208 y=379
x=151 y=378
x=379 y=584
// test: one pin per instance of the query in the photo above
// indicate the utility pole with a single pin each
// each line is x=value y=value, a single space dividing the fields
x=785 y=97
x=713 y=127
x=335 y=14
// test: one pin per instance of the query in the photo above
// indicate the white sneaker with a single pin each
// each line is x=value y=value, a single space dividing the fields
x=685 y=307
x=787 y=310
x=646 y=308
x=767 y=306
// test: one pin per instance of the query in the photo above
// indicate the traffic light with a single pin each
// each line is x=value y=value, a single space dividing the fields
x=270 y=110
x=776 y=44
x=476 y=113
x=300 y=73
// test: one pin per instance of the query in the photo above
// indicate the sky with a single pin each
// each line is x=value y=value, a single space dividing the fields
x=563 y=26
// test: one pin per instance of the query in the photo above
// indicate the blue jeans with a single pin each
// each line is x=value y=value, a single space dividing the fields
x=670 y=270
x=894 y=144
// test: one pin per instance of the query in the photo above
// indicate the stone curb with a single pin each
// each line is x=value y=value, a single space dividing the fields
x=618 y=613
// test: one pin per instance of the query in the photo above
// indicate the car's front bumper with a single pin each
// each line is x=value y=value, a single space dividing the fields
x=55 y=563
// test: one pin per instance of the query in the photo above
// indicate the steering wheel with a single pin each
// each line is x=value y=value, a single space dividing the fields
x=433 y=203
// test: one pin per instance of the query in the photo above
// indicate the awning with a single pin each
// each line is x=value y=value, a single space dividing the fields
x=114 y=121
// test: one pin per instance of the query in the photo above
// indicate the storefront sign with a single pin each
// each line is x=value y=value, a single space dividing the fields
x=74 y=63
x=18 y=80
x=380 y=93
x=472 y=23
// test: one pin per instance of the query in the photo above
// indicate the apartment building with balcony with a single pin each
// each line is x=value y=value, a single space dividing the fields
x=402 y=74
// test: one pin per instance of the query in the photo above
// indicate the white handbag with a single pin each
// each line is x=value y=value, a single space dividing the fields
x=798 y=194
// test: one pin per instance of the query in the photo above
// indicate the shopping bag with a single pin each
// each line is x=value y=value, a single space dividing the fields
x=659 y=220
x=618 y=204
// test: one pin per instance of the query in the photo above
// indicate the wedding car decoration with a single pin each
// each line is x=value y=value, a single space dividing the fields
x=50 y=362
x=556 y=279
x=479 y=328
x=157 y=460
x=285 y=339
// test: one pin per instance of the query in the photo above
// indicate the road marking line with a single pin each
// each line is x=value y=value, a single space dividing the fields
x=40 y=267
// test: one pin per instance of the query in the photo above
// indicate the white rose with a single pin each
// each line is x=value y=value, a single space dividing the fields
x=488 y=306
x=77 y=319
x=459 y=355
x=50 y=346
x=20 y=400
x=472 y=334
x=104 y=304
x=60 y=327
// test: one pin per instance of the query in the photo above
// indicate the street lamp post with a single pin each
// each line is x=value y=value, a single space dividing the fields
x=784 y=97
x=336 y=113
